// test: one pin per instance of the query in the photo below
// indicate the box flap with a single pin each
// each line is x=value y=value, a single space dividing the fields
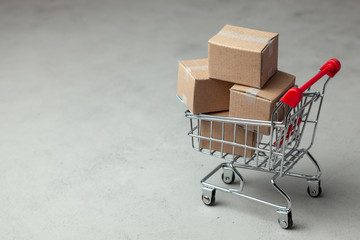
x=243 y=38
x=272 y=90
x=197 y=68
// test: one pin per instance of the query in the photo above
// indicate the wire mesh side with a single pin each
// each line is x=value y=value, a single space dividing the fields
x=238 y=141
x=242 y=141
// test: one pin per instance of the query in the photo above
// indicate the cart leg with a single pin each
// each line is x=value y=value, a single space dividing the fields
x=284 y=214
x=208 y=196
x=241 y=179
x=287 y=198
x=316 y=165
x=314 y=187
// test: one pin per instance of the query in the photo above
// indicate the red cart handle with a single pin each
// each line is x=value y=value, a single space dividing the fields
x=293 y=96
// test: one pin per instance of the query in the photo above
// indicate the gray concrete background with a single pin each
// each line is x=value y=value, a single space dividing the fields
x=93 y=139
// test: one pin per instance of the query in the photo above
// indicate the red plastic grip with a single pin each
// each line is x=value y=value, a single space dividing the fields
x=293 y=96
x=330 y=68
x=334 y=66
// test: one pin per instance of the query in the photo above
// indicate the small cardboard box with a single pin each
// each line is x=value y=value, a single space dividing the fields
x=228 y=136
x=200 y=93
x=252 y=103
x=243 y=56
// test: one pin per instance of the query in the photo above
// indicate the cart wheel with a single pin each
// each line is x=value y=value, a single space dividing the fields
x=314 y=188
x=228 y=175
x=285 y=219
x=228 y=179
x=314 y=193
x=210 y=201
x=208 y=196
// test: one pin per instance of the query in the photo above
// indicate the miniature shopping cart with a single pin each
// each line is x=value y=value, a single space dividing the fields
x=276 y=153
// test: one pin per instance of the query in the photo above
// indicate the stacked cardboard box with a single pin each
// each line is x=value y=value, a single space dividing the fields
x=243 y=56
x=200 y=93
x=240 y=76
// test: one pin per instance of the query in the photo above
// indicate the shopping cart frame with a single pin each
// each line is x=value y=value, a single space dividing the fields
x=277 y=153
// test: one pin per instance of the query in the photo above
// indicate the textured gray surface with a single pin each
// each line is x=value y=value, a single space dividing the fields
x=93 y=139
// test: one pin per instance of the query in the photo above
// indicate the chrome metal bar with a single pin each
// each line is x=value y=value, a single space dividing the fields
x=315 y=163
x=211 y=132
x=256 y=199
x=287 y=198
x=306 y=121
x=199 y=130
x=283 y=149
x=299 y=175
x=222 y=137
x=319 y=109
x=241 y=186
x=245 y=148
x=212 y=173
x=257 y=145
x=234 y=140
x=192 y=129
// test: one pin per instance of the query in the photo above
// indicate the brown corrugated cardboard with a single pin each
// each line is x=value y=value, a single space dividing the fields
x=228 y=136
x=200 y=93
x=252 y=103
x=243 y=56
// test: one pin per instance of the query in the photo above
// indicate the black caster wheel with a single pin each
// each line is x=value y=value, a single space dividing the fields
x=228 y=179
x=285 y=219
x=314 y=189
x=209 y=201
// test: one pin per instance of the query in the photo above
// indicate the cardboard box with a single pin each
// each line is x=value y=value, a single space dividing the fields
x=243 y=56
x=252 y=103
x=228 y=136
x=200 y=93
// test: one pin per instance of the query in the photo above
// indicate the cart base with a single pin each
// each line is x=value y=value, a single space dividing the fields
x=229 y=174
